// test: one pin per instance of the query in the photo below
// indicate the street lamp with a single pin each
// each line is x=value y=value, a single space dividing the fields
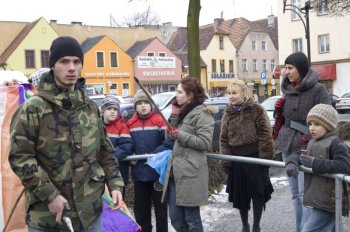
x=305 y=11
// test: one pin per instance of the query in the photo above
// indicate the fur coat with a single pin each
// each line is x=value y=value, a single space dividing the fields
x=248 y=126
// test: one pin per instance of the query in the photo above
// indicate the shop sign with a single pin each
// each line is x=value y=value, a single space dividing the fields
x=155 y=62
x=158 y=73
x=222 y=75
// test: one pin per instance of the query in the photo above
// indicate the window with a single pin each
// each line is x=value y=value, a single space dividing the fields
x=100 y=59
x=272 y=64
x=161 y=54
x=244 y=65
x=213 y=66
x=263 y=45
x=297 y=45
x=322 y=7
x=221 y=43
x=44 y=59
x=296 y=4
x=114 y=59
x=30 y=58
x=264 y=65
x=150 y=53
x=230 y=66
x=323 y=41
x=253 y=45
x=222 y=66
x=255 y=65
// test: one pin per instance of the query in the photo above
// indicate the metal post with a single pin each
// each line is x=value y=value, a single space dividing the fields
x=307 y=9
x=338 y=205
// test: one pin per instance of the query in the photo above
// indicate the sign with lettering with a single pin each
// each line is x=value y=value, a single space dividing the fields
x=222 y=75
x=155 y=62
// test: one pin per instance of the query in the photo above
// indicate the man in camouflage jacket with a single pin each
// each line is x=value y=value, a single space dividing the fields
x=60 y=151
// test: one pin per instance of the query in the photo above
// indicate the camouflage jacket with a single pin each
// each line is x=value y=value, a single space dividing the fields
x=59 y=147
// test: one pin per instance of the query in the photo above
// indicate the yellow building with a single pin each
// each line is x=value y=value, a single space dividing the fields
x=25 y=46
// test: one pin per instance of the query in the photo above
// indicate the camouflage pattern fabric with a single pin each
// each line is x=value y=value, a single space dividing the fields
x=59 y=147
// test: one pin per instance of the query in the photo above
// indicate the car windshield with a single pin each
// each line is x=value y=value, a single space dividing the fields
x=161 y=99
x=347 y=95
x=269 y=104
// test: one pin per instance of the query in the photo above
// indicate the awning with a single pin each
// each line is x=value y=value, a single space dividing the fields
x=214 y=84
x=326 y=71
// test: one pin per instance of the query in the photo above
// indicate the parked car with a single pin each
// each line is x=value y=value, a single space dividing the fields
x=333 y=99
x=342 y=104
x=269 y=106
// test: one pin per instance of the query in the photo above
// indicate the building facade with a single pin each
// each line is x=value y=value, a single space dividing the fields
x=157 y=67
x=108 y=69
x=330 y=49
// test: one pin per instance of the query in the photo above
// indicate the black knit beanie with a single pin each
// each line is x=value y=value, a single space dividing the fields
x=300 y=61
x=65 y=46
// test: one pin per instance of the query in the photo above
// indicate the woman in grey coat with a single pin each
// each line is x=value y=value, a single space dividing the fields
x=302 y=91
x=186 y=181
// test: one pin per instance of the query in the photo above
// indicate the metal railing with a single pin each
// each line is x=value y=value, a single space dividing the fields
x=338 y=178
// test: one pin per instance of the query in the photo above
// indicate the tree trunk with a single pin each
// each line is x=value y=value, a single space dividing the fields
x=193 y=39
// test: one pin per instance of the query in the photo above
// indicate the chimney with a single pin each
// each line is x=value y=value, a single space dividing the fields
x=76 y=23
x=53 y=21
x=270 y=20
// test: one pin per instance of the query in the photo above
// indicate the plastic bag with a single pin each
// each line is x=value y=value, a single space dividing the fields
x=160 y=163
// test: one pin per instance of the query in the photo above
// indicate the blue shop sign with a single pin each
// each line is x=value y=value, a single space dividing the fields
x=222 y=75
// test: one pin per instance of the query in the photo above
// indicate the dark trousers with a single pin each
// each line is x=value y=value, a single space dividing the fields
x=145 y=194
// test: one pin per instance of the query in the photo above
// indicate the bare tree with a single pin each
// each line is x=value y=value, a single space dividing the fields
x=335 y=7
x=194 y=8
x=146 y=18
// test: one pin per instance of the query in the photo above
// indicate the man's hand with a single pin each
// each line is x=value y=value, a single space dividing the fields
x=292 y=169
x=117 y=199
x=306 y=160
x=57 y=206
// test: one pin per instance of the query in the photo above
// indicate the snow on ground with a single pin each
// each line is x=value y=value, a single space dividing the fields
x=218 y=208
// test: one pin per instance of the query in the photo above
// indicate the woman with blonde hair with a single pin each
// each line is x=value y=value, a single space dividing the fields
x=246 y=131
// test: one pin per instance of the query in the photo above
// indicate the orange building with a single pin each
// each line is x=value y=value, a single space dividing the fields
x=108 y=69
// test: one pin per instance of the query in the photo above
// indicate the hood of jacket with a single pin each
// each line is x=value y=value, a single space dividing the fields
x=62 y=97
x=310 y=80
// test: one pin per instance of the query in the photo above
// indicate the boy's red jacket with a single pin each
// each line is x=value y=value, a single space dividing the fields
x=118 y=133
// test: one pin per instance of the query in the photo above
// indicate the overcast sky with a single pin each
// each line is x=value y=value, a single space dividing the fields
x=97 y=12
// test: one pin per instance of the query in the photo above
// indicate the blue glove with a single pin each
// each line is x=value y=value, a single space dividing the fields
x=306 y=160
x=292 y=169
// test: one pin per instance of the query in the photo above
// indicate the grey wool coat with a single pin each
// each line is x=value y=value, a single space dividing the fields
x=189 y=160
x=299 y=101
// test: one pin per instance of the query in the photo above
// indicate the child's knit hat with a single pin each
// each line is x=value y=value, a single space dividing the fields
x=110 y=101
x=325 y=115
x=140 y=95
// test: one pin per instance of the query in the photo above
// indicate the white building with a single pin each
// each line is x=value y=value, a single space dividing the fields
x=329 y=43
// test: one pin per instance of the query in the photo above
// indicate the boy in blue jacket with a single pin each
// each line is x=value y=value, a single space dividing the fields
x=118 y=133
x=147 y=130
